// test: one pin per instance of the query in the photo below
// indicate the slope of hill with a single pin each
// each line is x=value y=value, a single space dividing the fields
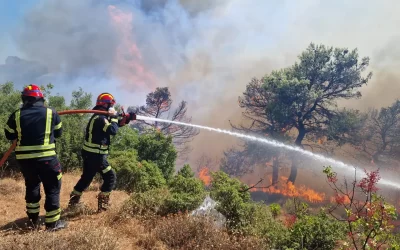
x=106 y=231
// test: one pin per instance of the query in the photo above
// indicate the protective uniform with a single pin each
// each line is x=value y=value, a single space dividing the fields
x=95 y=151
x=35 y=128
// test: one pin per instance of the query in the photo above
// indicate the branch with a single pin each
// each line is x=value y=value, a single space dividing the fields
x=254 y=186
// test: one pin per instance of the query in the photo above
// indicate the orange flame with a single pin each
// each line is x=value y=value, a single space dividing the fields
x=340 y=199
x=129 y=66
x=290 y=190
x=205 y=176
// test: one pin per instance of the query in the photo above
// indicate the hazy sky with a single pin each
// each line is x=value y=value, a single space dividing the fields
x=205 y=53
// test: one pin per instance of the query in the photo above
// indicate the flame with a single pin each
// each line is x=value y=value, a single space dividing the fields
x=290 y=190
x=205 y=176
x=345 y=199
x=129 y=66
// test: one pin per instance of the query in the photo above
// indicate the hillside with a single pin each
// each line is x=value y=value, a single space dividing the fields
x=106 y=231
x=85 y=229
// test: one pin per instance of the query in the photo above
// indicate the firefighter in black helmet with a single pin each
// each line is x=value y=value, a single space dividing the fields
x=35 y=128
x=95 y=150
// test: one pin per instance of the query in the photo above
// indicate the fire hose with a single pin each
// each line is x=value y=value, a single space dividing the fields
x=65 y=112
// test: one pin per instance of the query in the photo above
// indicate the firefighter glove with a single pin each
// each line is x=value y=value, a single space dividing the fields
x=112 y=112
x=132 y=116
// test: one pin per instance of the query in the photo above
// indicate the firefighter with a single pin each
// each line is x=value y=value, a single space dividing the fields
x=95 y=151
x=35 y=128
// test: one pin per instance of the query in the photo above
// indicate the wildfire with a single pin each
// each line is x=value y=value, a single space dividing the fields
x=290 y=190
x=129 y=64
x=340 y=199
x=204 y=176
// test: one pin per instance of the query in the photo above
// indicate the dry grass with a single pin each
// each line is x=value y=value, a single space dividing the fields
x=83 y=237
x=186 y=232
x=113 y=229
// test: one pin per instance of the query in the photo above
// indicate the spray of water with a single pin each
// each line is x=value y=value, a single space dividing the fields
x=274 y=143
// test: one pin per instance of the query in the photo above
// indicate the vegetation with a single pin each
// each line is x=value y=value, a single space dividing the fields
x=302 y=98
x=159 y=105
x=159 y=199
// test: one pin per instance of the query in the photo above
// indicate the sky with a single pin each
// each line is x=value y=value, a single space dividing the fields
x=205 y=52
x=11 y=13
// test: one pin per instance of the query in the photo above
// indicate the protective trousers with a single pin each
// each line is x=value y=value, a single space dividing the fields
x=92 y=164
x=48 y=172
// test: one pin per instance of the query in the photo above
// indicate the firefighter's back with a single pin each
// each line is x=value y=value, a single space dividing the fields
x=35 y=126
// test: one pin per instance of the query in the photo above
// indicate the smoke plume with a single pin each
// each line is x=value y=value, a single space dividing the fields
x=204 y=51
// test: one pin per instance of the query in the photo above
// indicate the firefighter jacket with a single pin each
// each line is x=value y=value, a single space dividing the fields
x=35 y=128
x=99 y=130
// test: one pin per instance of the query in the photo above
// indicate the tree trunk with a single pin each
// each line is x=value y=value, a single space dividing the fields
x=295 y=161
x=275 y=171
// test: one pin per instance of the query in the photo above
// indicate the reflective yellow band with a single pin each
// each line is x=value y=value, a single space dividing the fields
x=114 y=120
x=59 y=176
x=18 y=125
x=35 y=155
x=58 y=126
x=93 y=150
x=91 y=127
x=37 y=147
x=52 y=219
x=33 y=210
x=10 y=130
x=33 y=205
x=93 y=145
x=106 y=169
x=47 y=132
x=76 y=192
x=106 y=126
x=54 y=212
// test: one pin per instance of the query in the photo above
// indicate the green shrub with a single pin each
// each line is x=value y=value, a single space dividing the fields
x=186 y=171
x=187 y=191
x=134 y=176
x=149 y=203
x=296 y=207
x=260 y=222
x=232 y=198
x=158 y=148
x=126 y=139
x=275 y=209
x=316 y=232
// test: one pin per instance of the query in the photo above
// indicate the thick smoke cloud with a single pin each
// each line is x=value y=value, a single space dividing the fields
x=205 y=51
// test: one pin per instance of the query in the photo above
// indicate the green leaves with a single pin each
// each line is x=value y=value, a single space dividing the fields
x=156 y=147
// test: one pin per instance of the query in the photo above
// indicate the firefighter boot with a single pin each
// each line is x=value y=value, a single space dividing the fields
x=33 y=220
x=103 y=202
x=57 y=225
x=74 y=200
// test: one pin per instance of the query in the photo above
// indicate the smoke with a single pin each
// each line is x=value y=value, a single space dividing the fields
x=204 y=51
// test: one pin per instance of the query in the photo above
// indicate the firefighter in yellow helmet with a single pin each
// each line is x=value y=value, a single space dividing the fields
x=95 y=151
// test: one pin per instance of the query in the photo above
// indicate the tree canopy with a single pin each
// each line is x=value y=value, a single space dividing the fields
x=160 y=105
x=304 y=97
